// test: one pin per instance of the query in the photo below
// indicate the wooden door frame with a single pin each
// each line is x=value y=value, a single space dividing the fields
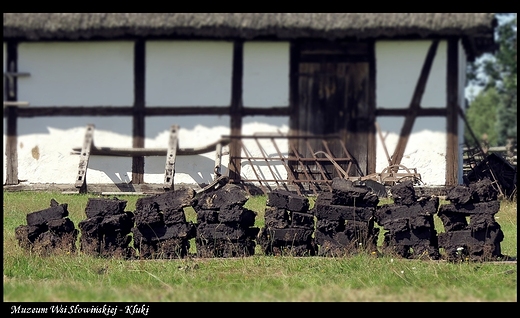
x=294 y=124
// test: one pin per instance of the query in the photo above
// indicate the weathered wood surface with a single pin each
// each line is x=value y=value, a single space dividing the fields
x=136 y=152
x=84 y=157
x=171 y=155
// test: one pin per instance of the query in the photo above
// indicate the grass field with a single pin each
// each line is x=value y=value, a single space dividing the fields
x=259 y=278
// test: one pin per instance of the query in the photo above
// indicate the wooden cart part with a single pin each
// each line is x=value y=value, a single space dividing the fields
x=300 y=164
x=169 y=170
x=81 y=179
x=320 y=179
x=171 y=152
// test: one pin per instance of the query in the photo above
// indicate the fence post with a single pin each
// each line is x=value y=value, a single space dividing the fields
x=484 y=144
x=509 y=147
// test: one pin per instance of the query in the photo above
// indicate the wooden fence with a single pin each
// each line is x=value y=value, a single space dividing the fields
x=476 y=155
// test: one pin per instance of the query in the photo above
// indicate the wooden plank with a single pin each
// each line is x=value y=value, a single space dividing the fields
x=371 y=105
x=265 y=111
x=415 y=104
x=97 y=188
x=235 y=148
x=169 y=171
x=11 y=113
x=16 y=104
x=359 y=118
x=149 y=111
x=218 y=160
x=452 y=88
x=294 y=62
x=139 y=107
x=421 y=112
x=333 y=58
x=348 y=48
x=81 y=178
x=51 y=111
x=11 y=150
x=136 y=152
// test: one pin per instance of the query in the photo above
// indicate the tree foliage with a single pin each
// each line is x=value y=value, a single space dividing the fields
x=493 y=111
x=482 y=115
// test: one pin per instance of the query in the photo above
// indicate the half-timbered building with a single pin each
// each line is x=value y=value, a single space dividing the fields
x=142 y=101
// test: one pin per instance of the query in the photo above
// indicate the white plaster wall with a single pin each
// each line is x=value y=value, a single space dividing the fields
x=188 y=73
x=266 y=74
x=76 y=73
x=45 y=146
x=425 y=150
x=398 y=66
x=194 y=132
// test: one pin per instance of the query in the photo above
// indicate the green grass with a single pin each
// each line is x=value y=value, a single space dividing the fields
x=362 y=277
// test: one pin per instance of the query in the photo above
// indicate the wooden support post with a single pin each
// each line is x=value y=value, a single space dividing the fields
x=11 y=141
x=139 y=111
x=294 y=117
x=170 y=158
x=11 y=151
x=452 y=88
x=371 y=138
x=81 y=179
x=236 y=109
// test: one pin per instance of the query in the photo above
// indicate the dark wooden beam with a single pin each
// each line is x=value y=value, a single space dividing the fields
x=333 y=58
x=51 y=111
x=271 y=111
x=421 y=112
x=37 y=111
x=347 y=47
x=187 y=110
x=372 y=145
x=452 y=82
x=11 y=112
x=139 y=107
x=294 y=65
x=235 y=148
x=415 y=104
x=137 y=152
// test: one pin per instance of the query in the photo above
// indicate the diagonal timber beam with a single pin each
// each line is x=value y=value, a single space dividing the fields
x=415 y=104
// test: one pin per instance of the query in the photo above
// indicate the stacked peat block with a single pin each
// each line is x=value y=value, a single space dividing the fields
x=480 y=239
x=409 y=223
x=107 y=230
x=161 y=230
x=288 y=225
x=345 y=222
x=224 y=225
x=48 y=231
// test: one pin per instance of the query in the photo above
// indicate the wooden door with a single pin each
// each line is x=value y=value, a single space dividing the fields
x=333 y=98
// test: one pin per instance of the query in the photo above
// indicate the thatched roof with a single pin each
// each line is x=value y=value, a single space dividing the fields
x=475 y=28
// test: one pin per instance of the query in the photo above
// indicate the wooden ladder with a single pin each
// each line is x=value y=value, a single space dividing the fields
x=88 y=148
